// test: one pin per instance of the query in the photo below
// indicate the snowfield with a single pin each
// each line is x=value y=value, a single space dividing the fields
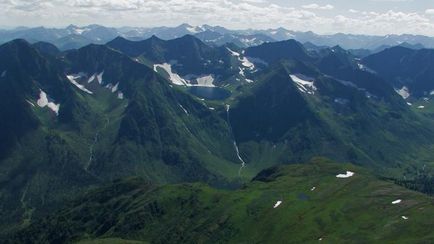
x=397 y=201
x=29 y=102
x=404 y=92
x=173 y=77
x=277 y=204
x=188 y=80
x=72 y=78
x=92 y=78
x=366 y=69
x=233 y=53
x=305 y=84
x=245 y=62
x=205 y=80
x=115 y=88
x=43 y=102
x=99 y=77
x=183 y=109
x=347 y=175
x=112 y=88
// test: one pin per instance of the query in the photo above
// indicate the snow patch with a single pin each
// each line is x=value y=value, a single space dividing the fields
x=404 y=217
x=277 y=204
x=194 y=29
x=313 y=188
x=409 y=104
x=246 y=62
x=29 y=102
x=305 y=84
x=233 y=53
x=404 y=92
x=421 y=107
x=115 y=88
x=185 y=110
x=72 y=78
x=112 y=88
x=365 y=68
x=347 y=175
x=173 y=77
x=80 y=31
x=248 y=42
x=99 y=77
x=396 y=201
x=199 y=80
x=92 y=78
x=242 y=72
x=206 y=80
x=44 y=102
x=120 y=95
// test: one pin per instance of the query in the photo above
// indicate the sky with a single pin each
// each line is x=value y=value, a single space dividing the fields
x=377 y=17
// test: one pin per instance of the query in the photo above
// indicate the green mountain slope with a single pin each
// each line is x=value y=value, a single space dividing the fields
x=143 y=128
x=401 y=66
x=291 y=204
x=295 y=112
x=81 y=118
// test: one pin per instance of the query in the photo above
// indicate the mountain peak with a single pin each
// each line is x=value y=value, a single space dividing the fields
x=155 y=38
x=275 y=51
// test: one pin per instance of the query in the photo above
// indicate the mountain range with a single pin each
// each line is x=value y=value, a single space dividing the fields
x=75 y=37
x=130 y=132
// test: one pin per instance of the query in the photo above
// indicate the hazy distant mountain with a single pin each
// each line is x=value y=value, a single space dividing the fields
x=348 y=41
x=218 y=39
x=76 y=37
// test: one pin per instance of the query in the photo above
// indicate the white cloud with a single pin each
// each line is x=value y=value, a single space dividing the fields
x=317 y=6
x=392 y=1
x=112 y=5
x=429 y=11
x=238 y=14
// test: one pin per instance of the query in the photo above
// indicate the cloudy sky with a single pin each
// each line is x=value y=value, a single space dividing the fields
x=321 y=16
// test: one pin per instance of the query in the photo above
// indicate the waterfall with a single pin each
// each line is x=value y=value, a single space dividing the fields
x=243 y=163
x=92 y=146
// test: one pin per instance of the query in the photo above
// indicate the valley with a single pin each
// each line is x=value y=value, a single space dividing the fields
x=180 y=141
